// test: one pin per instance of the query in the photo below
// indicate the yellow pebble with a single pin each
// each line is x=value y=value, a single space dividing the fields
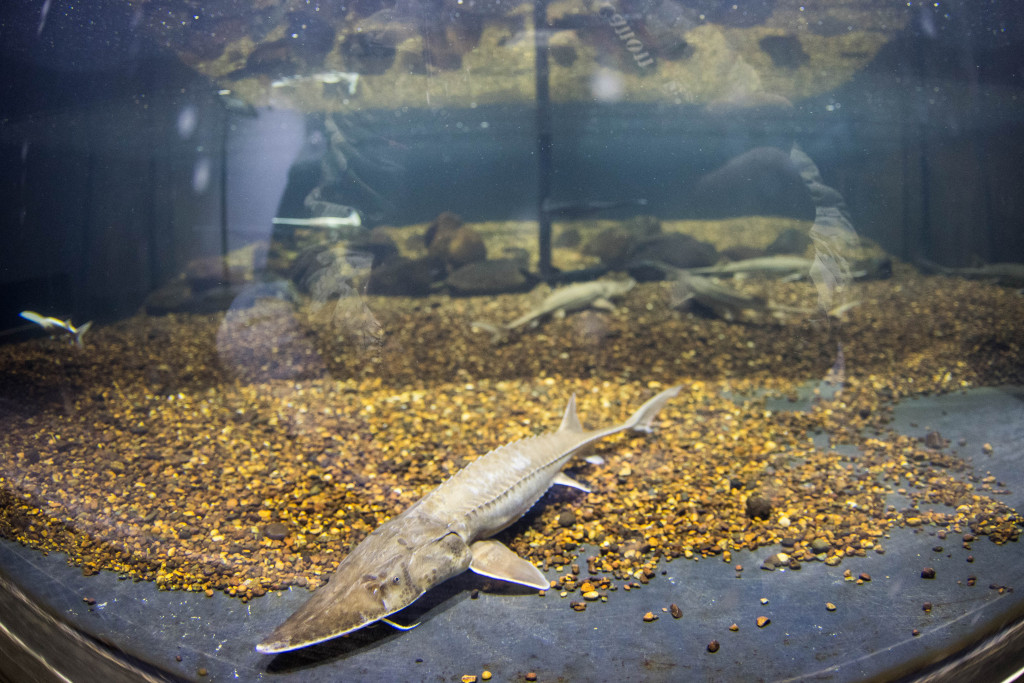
x=486 y=675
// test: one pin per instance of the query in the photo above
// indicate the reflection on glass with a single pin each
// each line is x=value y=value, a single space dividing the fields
x=350 y=269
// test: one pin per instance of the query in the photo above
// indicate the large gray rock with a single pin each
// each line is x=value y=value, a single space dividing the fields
x=497 y=276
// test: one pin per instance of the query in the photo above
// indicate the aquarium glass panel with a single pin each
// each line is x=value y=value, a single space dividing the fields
x=511 y=340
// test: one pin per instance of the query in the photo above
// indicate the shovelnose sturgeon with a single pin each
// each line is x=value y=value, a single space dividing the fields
x=448 y=531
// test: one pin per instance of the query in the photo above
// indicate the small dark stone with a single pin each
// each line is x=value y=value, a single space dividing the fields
x=562 y=51
x=713 y=646
x=474 y=594
x=675 y=611
x=927 y=607
x=820 y=545
x=934 y=440
x=864 y=576
x=937 y=549
x=788 y=542
x=566 y=518
x=758 y=507
x=927 y=573
x=970 y=558
x=275 y=531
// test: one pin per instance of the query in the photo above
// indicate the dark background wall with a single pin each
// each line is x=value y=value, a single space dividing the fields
x=97 y=200
x=112 y=152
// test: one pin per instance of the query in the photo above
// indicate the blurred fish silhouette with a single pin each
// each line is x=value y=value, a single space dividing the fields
x=1008 y=274
x=235 y=104
x=55 y=325
x=582 y=209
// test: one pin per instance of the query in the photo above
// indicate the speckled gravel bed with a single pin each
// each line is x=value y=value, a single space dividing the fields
x=248 y=452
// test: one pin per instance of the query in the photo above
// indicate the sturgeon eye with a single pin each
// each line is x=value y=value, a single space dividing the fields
x=396 y=580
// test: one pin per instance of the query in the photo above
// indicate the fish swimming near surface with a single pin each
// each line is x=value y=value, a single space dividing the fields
x=447 y=532
x=344 y=227
x=581 y=209
x=350 y=79
x=52 y=325
x=575 y=297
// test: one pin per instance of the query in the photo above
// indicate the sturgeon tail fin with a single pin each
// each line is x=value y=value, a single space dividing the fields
x=80 y=332
x=641 y=420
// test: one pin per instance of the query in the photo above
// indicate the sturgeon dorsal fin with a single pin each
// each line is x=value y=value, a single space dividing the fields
x=570 y=421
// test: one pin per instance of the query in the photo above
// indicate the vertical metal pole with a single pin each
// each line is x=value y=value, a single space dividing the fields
x=540 y=33
x=224 y=196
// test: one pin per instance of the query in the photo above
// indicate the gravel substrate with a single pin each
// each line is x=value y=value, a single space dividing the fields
x=249 y=451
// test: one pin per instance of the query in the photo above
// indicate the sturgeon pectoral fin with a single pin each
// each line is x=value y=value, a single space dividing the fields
x=563 y=479
x=494 y=559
